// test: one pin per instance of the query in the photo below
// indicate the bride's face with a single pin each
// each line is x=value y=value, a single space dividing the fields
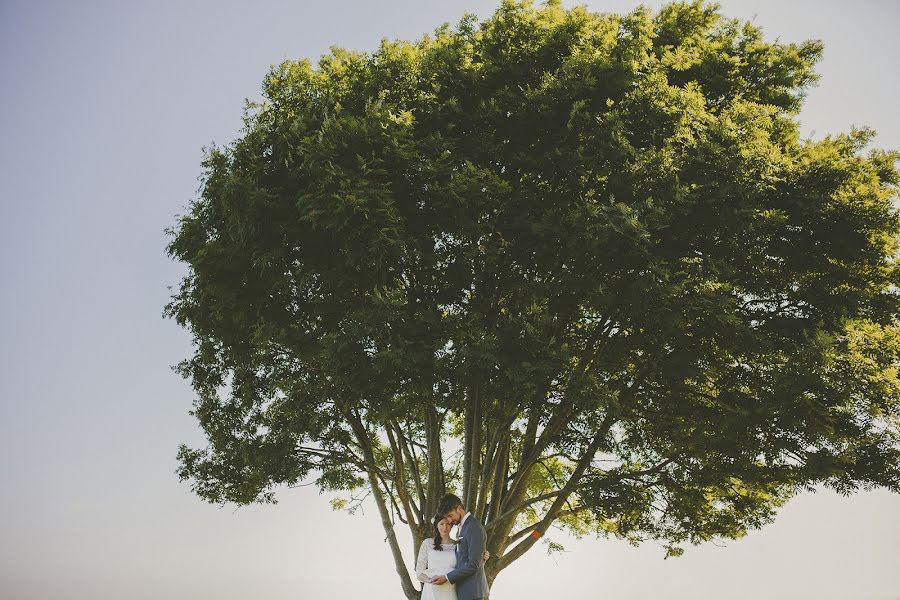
x=444 y=526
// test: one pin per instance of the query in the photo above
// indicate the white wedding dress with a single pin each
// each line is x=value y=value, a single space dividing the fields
x=431 y=563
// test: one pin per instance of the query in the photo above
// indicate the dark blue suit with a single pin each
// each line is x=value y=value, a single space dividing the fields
x=471 y=583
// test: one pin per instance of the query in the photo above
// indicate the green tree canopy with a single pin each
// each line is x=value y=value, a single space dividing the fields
x=580 y=267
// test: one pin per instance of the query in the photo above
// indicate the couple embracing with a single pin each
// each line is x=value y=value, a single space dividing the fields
x=448 y=570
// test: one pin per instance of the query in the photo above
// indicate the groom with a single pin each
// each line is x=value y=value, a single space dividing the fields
x=471 y=584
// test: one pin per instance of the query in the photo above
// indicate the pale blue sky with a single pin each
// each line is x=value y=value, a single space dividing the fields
x=105 y=107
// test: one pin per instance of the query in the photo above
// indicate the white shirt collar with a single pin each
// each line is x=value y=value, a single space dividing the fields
x=465 y=516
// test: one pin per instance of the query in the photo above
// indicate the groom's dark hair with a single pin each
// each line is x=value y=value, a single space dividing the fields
x=448 y=503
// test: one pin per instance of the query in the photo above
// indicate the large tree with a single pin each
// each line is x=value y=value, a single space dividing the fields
x=579 y=267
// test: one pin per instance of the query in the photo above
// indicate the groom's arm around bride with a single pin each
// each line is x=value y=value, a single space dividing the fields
x=468 y=565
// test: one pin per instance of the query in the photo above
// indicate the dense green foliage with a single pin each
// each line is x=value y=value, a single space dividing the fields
x=592 y=248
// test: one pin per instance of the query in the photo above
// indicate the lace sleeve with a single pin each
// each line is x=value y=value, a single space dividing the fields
x=422 y=561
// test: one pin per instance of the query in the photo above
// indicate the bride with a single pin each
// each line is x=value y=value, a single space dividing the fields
x=437 y=556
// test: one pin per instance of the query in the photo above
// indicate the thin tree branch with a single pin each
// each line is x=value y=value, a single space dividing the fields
x=533 y=526
x=522 y=506
x=563 y=496
x=362 y=436
x=401 y=484
x=410 y=454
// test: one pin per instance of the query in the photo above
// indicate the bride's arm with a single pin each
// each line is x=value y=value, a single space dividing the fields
x=422 y=562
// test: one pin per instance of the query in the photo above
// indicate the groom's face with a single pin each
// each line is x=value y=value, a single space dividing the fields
x=455 y=515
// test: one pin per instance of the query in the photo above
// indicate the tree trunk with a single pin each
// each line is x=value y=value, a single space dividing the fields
x=472 y=443
x=436 y=485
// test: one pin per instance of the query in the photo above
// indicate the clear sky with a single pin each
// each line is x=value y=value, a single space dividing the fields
x=105 y=108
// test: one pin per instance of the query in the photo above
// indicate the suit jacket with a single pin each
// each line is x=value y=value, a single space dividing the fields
x=468 y=575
